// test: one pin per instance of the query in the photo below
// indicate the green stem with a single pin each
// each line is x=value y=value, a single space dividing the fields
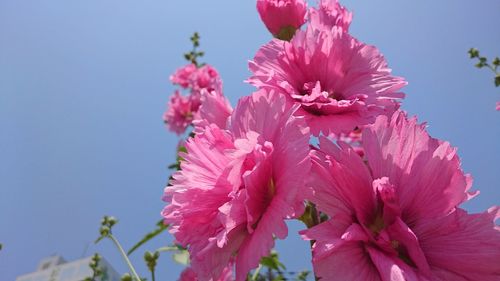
x=312 y=220
x=153 y=275
x=492 y=69
x=256 y=273
x=314 y=215
x=167 y=249
x=125 y=257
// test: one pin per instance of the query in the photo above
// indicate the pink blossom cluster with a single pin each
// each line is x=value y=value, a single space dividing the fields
x=202 y=83
x=388 y=194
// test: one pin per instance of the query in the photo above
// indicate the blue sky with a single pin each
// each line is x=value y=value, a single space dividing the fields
x=83 y=85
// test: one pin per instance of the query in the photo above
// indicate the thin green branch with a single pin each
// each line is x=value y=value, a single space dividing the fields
x=125 y=257
x=160 y=227
x=256 y=273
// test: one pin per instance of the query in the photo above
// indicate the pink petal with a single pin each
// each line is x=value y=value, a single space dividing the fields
x=464 y=244
x=392 y=268
x=350 y=262
x=426 y=171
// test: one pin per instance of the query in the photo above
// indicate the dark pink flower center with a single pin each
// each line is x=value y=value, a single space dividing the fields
x=318 y=94
x=257 y=179
x=389 y=232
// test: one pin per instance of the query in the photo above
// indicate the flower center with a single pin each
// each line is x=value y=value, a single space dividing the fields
x=377 y=225
x=389 y=232
x=314 y=91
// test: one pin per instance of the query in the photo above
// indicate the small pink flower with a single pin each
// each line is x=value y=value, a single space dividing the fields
x=207 y=78
x=237 y=186
x=339 y=82
x=397 y=216
x=182 y=76
x=498 y=105
x=282 y=17
x=180 y=112
x=329 y=14
x=197 y=78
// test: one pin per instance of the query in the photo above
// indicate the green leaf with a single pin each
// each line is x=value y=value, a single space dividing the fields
x=496 y=61
x=160 y=227
x=272 y=262
x=181 y=257
x=497 y=80
x=302 y=276
x=473 y=53
x=169 y=249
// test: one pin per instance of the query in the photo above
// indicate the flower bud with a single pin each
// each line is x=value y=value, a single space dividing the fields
x=473 y=53
x=112 y=221
x=96 y=258
x=126 y=277
x=104 y=220
x=282 y=17
x=104 y=230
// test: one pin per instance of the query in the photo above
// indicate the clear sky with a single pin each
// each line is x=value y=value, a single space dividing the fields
x=83 y=85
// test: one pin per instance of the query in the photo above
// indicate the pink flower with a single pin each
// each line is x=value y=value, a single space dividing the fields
x=498 y=105
x=180 y=112
x=206 y=77
x=197 y=79
x=237 y=186
x=282 y=17
x=397 y=217
x=182 y=76
x=188 y=274
x=329 y=14
x=339 y=82
x=214 y=109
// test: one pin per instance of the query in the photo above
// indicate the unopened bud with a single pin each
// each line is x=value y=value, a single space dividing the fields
x=126 y=277
x=496 y=61
x=282 y=18
x=104 y=230
x=112 y=221
x=473 y=53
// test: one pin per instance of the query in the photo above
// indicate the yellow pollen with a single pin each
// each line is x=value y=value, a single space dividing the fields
x=271 y=188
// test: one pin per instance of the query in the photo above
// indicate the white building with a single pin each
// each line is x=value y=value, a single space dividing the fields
x=57 y=269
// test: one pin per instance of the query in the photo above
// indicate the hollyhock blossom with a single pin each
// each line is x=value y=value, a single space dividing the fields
x=183 y=75
x=339 y=82
x=398 y=216
x=214 y=109
x=188 y=274
x=498 y=105
x=282 y=17
x=206 y=77
x=329 y=14
x=180 y=112
x=197 y=78
x=237 y=186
